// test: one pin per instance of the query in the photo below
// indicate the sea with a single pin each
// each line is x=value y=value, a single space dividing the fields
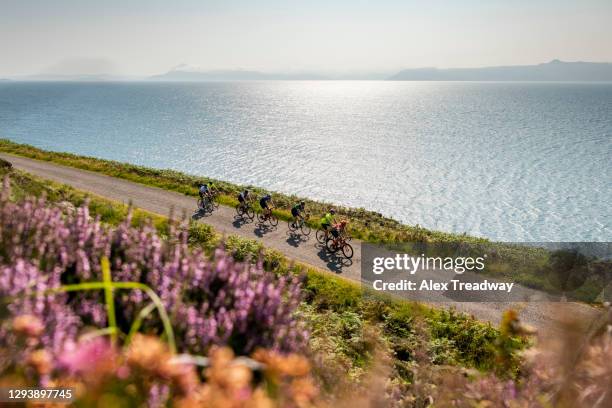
x=509 y=161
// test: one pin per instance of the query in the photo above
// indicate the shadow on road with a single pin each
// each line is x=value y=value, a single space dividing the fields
x=240 y=221
x=263 y=229
x=295 y=239
x=199 y=214
x=334 y=262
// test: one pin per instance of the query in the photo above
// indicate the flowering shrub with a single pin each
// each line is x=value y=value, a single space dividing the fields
x=147 y=373
x=53 y=338
x=45 y=317
x=211 y=302
x=570 y=369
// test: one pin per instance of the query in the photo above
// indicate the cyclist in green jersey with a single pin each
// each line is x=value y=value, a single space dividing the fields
x=328 y=220
x=296 y=211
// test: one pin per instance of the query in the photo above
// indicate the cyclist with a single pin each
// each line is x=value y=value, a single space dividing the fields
x=266 y=204
x=328 y=220
x=212 y=188
x=296 y=212
x=339 y=228
x=243 y=198
x=204 y=192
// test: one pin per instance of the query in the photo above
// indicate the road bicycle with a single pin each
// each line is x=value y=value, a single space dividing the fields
x=245 y=210
x=267 y=216
x=322 y=235
x=207 y=205
x=300 y=224
x=213 y=199
x=340 y=243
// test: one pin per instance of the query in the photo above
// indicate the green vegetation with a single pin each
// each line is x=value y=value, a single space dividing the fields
x=349 y=329
x=365 y=225
x=520 y=264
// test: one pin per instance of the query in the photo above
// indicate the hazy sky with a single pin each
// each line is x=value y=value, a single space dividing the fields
x=151 y=36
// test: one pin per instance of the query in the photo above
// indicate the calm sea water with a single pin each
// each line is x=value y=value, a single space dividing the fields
x=509 y=161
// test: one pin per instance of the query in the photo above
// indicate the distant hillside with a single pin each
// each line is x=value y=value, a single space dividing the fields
x=179 y=74
x=552 y=71
x=71 y=77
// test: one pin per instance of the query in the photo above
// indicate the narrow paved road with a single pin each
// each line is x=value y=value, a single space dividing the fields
x=308 y=251
x=164 y=202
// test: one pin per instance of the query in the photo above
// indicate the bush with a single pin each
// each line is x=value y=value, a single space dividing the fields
x=213 y=302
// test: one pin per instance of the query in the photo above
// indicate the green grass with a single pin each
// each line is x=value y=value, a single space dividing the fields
x=364 y=224
x=348 y=324
x=520 y=264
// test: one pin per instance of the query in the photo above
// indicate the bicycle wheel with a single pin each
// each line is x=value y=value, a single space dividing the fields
x=239 y=210
x=347 y=250
x=331 y=247
x=321 y=236
x=261 y=218
x=250 y=212
x=306 y=230
x=208 y=207
x=290 y=224
x=200 y=204
x=273 y=220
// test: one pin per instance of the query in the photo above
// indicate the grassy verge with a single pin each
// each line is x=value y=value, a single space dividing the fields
x=348 y=328
x=520 y=264
x=365 y=225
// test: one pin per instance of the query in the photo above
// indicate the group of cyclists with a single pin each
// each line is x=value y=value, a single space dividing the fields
x=333 y=232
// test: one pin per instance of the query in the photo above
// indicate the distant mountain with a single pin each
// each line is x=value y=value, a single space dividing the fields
x=181 y=73
x=71 y=77
x=552 y=71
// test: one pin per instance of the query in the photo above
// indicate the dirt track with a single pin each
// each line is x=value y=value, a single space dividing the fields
x=542 y=315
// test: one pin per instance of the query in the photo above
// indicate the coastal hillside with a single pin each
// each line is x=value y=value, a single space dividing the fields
x=111 y=313
x=520 y=264
x=185 y=73
x=240 y=299
x=552 y=71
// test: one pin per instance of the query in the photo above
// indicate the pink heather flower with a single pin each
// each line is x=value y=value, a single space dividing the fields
x=212 y=302
x=87 y=357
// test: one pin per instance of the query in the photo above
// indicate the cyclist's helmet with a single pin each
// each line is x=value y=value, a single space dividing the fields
x=332 y=211
x=302 y=204
x=267 y=196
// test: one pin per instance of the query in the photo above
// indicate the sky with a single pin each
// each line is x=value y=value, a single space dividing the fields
x=146 y=37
